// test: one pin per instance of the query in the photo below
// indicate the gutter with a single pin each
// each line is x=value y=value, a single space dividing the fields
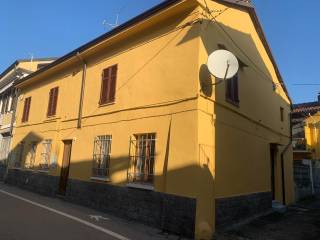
x=83 y=81
x=282 y=160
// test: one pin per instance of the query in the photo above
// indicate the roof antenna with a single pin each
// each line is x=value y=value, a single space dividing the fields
x=116 y=24
x=31 y=57
x=112 y=25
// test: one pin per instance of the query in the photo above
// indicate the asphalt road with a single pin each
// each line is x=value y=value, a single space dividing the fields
x=28 y=216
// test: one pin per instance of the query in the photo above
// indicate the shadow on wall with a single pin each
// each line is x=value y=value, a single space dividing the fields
x=172 y=207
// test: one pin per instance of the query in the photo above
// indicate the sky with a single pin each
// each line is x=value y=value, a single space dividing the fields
x=54 y=28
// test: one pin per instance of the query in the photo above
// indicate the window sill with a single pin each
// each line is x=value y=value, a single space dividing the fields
x=100 y=179
x=106 y=104
x=51 y=119
x=141 y=186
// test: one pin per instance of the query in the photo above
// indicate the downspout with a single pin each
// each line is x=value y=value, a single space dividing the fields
x=83 y=80
x=282 y=160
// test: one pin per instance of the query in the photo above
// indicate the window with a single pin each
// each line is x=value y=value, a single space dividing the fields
x=108 y=85
x=101 y=156
x=281 y=114
x=232 y=91
x=45 y=154
x=142 y=156
x=19 y=155
x=26 y=109
x=31 y=157
x=53 y=99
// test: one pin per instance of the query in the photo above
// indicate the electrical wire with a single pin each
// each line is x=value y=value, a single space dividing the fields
x=256 y=67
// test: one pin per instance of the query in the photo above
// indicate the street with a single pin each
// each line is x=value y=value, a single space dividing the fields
x=24 y=215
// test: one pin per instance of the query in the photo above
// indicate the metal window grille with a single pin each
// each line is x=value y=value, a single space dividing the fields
x=18 y=155
x=101 y=156
x=30 y=163
x=45 y=154
x=4 y=149
x=142 y=158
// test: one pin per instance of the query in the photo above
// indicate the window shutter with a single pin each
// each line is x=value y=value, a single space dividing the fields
x=50 y=103
x=26 y=109
x=53 y=99
x=108 y=85
x=113 y=80
x=232 y=90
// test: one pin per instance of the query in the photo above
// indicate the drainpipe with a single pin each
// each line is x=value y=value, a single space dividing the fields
x=84 y=72
x=282 y=160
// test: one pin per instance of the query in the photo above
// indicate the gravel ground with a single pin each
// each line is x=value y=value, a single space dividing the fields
x=300 y=222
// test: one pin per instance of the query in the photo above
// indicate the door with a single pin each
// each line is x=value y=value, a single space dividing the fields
x=273 y=152
x=64 y=175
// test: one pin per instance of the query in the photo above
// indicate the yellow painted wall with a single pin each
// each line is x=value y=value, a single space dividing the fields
x=206 y=148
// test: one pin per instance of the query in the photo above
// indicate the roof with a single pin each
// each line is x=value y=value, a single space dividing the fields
x=15 y=63
x=301 y=111
x=149 y=13
x=308 y=107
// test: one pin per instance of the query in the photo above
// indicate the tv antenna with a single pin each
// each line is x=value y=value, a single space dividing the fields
x=31 y=57
x=223 y=65
x=111 y=25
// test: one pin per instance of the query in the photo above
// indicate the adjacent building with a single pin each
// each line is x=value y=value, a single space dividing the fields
x=306 y=148
x=131 y=123
x=8 y=77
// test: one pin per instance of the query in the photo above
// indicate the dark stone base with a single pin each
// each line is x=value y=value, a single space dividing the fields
x=41 y=183
x=3 y=169
x=169 y=213
x=236 y=209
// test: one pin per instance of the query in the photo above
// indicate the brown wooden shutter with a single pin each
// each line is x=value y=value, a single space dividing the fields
x=53 y=99
x=108 y=85
x=26 y=109
x=50 y=103
x=232 y=90
x=113 y=80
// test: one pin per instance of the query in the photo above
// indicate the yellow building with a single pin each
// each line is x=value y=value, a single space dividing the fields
x=130 y=123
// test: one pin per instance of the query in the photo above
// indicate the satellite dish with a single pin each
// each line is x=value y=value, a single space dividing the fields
x=223 y=64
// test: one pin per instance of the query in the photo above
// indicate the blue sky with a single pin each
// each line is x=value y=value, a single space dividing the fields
x=53 y=28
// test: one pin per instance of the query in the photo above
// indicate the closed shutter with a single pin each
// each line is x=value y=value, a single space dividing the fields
x=26 y=109
x=232 y=90
x=108 y=85
x=53 y=99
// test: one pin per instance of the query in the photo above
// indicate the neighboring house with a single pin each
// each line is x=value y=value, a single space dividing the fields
x=306 y=154
x=131 y=124
x=8 y=77
x=302 y=132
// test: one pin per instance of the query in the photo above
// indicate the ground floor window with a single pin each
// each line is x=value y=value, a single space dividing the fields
x=31 y=156
x=45 y=154
x=142 y=156
x=101 y=156
x=4 y=149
